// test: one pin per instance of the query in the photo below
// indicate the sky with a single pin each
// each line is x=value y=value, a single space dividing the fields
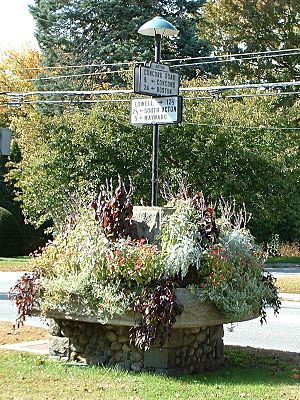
x=17 y=25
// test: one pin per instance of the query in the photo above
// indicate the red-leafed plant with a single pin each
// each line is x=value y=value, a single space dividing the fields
x=23 y=294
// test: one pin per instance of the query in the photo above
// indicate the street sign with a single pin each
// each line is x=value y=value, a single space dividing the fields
x=156 y=80
x=5 y=140
x=159 y=110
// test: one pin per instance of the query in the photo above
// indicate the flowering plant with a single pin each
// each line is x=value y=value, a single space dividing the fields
x=136 y=262
x=216 y=267
x=94 y=267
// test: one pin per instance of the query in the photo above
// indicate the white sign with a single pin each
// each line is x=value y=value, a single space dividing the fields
x=159 y=110
x=5 y=139
x=156 y=80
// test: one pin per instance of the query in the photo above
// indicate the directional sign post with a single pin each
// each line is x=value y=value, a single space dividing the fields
x=156 y=110
x=156 y=80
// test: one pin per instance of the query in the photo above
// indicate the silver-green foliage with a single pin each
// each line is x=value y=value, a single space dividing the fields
x=180 y=241
x=73 y=273
x=238 y=298
x=82 y=293
x=239 y=243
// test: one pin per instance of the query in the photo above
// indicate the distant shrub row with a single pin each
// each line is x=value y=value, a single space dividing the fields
x=11 y=242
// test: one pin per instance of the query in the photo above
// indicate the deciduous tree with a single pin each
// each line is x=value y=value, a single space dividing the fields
x=243 y=26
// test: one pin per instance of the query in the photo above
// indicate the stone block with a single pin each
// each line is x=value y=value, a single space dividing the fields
x=54 y=327
x=123 y=339
x=126 y=348
x=76 y=347
x=66 y=332
x=98 y=360
x=116 y=346
x=175 y=339
x=136 y=356
x=220 y=350
x=59 y=346
x=216 y=332
x=201 y=337
x=83 y=339
x=120 y=365
x=111 y=336
x=137 y=366
x=160 y=358
x=120 y=356
x=147 y=220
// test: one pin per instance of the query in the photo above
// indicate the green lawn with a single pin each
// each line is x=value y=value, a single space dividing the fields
x=14 y=263
x=280 y=260
x=246 y=375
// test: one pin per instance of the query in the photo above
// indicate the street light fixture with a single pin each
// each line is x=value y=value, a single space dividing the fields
x=158 y=28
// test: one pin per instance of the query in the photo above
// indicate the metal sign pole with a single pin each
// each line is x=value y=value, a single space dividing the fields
x=165 y=84
x=154 y=180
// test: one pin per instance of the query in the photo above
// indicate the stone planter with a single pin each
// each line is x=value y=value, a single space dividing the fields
x=195 y=344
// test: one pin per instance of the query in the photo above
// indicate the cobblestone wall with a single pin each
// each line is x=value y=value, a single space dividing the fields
x=188 y=350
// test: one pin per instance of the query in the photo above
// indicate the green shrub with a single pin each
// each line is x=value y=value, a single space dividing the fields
x=11 y=243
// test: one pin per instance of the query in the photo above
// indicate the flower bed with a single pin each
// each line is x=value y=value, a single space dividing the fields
x=153 y=272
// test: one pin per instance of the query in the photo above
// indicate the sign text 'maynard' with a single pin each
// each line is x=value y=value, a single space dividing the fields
x=161 y=110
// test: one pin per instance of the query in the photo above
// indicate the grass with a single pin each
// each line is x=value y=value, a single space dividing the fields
x=288 y=284
x=248 y=376
x=12 y=264
x=280 y=260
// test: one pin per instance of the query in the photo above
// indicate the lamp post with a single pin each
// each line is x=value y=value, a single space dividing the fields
x=157 y=28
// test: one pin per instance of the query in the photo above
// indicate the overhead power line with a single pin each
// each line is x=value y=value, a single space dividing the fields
x=282 y=52
x=237 y=96
x=232 y=59
x=229 y=55
x=263 y=86
x=267 y=85
x=47 y=78
x=184 y=123
x=213 y=60
x=212 y=96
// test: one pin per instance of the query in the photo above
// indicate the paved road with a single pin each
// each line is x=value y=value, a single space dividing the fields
x=281 y=332
x=284 y=270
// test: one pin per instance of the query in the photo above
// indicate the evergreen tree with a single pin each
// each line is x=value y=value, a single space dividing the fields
x=80 y=32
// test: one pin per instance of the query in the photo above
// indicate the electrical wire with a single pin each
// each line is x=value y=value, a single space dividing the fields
x=47 y=78
x=236 y=96
x=232 y=59
x=213 y=96
x=69 y=92
x=266 y=85
x=230 y=55
x=263 y=86
x=183 y=123
x=285 y=52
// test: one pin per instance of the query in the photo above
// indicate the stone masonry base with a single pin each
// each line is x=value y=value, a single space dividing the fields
x=188 y=350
